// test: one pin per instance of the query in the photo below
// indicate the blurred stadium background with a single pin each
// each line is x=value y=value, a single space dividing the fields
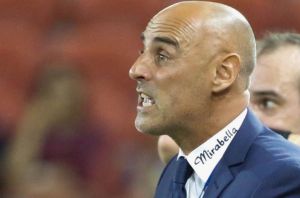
x=99 y=40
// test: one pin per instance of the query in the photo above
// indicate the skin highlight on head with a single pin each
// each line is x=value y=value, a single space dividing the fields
x=194 y=70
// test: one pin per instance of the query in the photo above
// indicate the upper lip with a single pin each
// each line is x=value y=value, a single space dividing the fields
x=140 y=91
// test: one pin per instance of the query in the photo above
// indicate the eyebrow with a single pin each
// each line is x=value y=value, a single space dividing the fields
x=166 y=40
x=163 y=39
x=265 y=93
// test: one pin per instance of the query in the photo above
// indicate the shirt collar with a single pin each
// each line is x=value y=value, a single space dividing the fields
x=204 y=158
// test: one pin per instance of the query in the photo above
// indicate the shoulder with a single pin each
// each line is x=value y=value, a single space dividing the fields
x=165 y=181
x=273 y=147
x=275 y=163
x=271 y=166
x=168 y=170
x=283 y=180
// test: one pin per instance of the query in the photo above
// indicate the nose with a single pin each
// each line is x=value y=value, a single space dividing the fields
x=139 y=70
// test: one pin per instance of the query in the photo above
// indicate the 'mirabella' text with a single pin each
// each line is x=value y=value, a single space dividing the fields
x=208 y=154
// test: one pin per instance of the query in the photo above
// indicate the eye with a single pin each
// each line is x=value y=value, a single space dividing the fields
x=267 y=104
x=162 y=57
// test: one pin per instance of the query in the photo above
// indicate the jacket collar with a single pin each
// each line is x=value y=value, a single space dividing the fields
x=234 y=155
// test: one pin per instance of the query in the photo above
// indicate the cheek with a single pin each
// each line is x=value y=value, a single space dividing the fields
x=183 y=86
x=293 y=103
x=281 y=120
x=186 y=98
x=174 y=101
x=274 y=122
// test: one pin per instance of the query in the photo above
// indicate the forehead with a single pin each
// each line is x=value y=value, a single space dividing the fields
x=278 y=69
x=181 y=29
x=284 y=60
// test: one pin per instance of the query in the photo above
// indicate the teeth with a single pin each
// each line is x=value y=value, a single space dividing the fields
x=147 y=101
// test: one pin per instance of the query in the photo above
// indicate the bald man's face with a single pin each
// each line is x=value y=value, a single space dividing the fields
x=275 y=96
x=173 y=74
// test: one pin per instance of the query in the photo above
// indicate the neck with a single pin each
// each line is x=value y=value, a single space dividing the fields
x=223 y=111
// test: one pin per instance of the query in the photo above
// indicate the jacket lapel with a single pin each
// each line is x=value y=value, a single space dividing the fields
x=222 y=179
x=234 y=156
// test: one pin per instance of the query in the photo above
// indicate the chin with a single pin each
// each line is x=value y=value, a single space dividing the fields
x=146 y=129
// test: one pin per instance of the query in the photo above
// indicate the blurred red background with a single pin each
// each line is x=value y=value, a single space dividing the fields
x=100 y=39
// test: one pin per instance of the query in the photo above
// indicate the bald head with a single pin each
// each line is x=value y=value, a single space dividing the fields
x=221 y=28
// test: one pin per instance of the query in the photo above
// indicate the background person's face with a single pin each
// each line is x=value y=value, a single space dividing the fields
x=173 y=78
x=275 y=89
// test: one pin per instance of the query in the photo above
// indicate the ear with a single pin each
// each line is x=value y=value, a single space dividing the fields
x=226 y=72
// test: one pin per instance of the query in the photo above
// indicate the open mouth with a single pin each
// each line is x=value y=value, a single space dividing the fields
x=145 y=100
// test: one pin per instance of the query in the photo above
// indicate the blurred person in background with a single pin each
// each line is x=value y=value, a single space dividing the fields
x=55 y=111
x=55 y=151
x=275 y=85
x=274 y=89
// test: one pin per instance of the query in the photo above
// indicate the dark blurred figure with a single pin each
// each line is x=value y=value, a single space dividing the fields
x=39 y=156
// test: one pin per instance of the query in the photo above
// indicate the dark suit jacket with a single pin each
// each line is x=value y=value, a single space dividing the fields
x=257 y=164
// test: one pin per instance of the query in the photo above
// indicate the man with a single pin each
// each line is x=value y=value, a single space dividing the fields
x=274 y=89
x=275 y=85
x=192 y=83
